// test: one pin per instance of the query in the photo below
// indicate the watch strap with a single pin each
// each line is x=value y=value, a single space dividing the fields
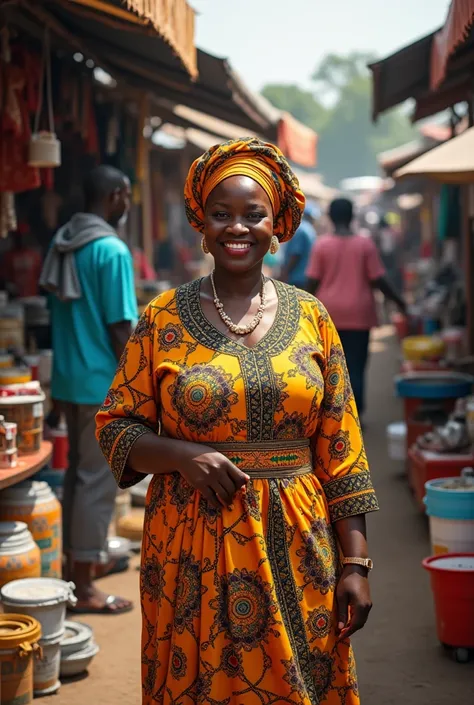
x=364 y=562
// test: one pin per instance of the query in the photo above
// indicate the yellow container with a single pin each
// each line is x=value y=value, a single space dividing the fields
x=35 y=504
x=15 y=375
x=12 y=334
x=419 y=348
x=6 y=360
x=20 y=557
x=19 y=637
x=131 y=527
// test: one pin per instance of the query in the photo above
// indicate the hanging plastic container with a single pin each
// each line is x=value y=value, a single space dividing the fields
x=449 y=504
x=19 y=644
x=397 y=440
x=35 y=503
x=45 y=148
x=452 y=582
x=45 y=599
x=19 y=555
x=46 y=668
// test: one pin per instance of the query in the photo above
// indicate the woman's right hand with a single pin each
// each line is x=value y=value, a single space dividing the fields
x=212 y=474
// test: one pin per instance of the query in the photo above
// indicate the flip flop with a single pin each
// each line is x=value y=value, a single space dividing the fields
x=107 y=608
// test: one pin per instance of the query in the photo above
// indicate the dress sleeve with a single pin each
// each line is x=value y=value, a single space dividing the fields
x=340 y=459
x=131 y=407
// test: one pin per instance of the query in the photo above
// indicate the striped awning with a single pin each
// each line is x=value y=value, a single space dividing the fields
x=173 y=20
x=457 y=27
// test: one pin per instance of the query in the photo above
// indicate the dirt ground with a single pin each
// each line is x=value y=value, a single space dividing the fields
x=398 y=655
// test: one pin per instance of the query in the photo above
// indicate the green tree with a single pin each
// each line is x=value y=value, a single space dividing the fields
x=300 y=103
x=348 y=141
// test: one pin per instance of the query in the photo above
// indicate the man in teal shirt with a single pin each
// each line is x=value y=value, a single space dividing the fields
x=89 y=272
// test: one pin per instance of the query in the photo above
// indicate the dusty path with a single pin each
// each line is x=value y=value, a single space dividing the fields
x=399 y=660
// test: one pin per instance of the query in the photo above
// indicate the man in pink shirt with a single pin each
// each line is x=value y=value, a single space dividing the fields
x=343 y=270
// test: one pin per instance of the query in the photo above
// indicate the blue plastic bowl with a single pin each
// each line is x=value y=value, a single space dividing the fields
x=433 y=385
x=448 y=504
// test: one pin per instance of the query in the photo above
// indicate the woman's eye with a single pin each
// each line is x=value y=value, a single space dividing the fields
x=220 y=215
x=256 y=216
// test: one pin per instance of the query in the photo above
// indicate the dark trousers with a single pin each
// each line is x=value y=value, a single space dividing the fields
x=356 y=350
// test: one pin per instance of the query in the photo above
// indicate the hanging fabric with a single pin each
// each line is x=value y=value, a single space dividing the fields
x=45 y=148
x=15 y=173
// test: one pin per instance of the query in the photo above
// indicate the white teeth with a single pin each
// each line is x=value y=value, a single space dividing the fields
x=237 y=245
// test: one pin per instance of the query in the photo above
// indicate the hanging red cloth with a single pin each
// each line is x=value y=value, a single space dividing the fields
x=15 y=173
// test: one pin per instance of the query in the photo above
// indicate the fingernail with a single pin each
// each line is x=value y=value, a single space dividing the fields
x=340 y=626
x=230 y=507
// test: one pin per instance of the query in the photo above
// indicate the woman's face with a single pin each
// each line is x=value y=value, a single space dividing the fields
x=238 y=224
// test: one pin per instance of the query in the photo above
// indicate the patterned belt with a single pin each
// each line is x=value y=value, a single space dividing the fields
x=271 y=459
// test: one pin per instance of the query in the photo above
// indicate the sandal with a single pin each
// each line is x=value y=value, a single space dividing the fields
x=107 y=608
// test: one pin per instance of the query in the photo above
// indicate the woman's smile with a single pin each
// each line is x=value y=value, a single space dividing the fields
x=237 y=248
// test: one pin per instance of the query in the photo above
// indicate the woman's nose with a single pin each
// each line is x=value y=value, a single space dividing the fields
x=238 y=228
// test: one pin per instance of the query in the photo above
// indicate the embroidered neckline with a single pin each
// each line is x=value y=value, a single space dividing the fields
x=275 y=340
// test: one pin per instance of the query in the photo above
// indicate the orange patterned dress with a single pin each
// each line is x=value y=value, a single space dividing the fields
x=239 y=605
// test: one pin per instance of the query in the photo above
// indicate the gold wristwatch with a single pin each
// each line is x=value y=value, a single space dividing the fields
x=364 y=562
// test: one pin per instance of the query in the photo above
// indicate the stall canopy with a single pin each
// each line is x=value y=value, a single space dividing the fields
x=135 y=54
x=400 y=76
x=451 y=162
x=436 y=70
x=172 y=20
x=459 y=22
x=297 y=141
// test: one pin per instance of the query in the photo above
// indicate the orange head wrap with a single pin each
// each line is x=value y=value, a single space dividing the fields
x=262 y=162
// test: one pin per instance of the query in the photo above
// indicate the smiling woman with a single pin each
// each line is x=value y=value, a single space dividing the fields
x=233 y=392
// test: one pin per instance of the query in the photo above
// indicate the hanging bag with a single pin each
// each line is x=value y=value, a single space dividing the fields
x=45 y=148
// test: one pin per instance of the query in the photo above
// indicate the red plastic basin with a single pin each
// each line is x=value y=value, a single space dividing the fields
x=452 y=582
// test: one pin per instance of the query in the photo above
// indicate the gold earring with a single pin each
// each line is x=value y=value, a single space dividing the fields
x=204 y=246
x=275 y=245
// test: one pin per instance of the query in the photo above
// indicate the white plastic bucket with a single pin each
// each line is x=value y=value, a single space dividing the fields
x=451 y=535
x=45 y=599
x=46 y=670
x=397 y=440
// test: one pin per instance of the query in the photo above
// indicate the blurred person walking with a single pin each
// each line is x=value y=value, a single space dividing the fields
x=296 y=253
x=343 y=271
x=89 y=271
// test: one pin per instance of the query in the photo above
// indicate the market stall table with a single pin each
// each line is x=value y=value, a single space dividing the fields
x=28 y=465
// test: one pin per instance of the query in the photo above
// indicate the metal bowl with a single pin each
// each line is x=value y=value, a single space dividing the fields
x=77 y=637
x=78 y=662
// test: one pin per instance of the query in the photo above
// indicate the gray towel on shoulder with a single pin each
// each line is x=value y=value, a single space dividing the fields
x=59 y=275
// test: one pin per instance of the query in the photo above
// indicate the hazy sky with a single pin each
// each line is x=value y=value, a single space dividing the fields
x=270 y=45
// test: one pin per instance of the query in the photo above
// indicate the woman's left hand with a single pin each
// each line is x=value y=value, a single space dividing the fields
x=353 y=600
